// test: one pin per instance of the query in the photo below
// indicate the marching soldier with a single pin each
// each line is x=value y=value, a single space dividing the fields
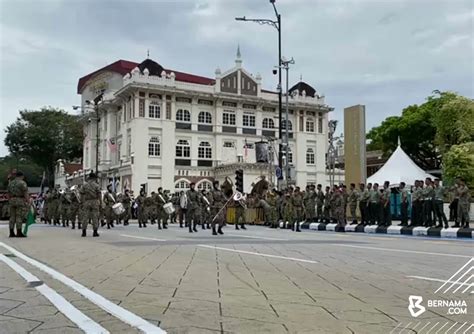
x=438 y=202
x=73 y=209
x=363 y=203
x=64 y=206
x=352 y=201
x=270 y=209
x=153 y=204
x=162 y=199
x=345 y=195
x=141 y=209
x=288 y=208
x=205 y=211
x=18 y=203
x=194 y=201
x=218 y=201
x=310 y=203
x=464 y=203
x=54 y=206
x=90 y=199
x=240 y=213
x=109 y=200
x=385 y=203
x=126 y=201
x=403 y=204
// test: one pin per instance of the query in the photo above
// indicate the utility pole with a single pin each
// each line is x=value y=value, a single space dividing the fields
x=286 y=65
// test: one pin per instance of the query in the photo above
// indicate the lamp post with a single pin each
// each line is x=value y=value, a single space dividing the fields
x=332 y=151
x=95 y=104
x=277 y=25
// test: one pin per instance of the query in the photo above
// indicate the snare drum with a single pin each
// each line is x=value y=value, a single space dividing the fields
x=169 y=208
x=118 y=209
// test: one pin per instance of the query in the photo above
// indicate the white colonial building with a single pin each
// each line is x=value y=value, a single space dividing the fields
x=163 y=128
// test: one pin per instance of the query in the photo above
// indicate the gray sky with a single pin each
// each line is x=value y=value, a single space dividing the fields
x=384 y=54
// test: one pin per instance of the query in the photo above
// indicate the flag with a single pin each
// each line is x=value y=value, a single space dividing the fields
x=112 y=145
x=30 y=219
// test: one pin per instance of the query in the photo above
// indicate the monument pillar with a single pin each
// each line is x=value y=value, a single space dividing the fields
x=355 y=159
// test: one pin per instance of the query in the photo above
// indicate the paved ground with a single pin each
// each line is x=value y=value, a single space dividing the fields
x=254 y=281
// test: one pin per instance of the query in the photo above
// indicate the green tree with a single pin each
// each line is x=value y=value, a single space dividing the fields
x=33 y=172
x=459 y=162
x=44 y=137
x=416 y=128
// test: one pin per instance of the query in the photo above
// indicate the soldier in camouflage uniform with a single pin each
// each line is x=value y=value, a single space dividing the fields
x=218 y=201
x=73 y=209
x=18 y=202
x=110 y=199
x=141 y=209
x=428 y=195
x=363 y=203
x=90 y=200
x=205 y=211
x=327 y=205
x=64 y=206
x=345 y=196
x=338 y=202
x=464 y=203
x=375 y=205
x=310 y=203
x=352 y=202
x=385 y=202
x=298 y=204
x=438 y=202
x=162 y=199
x=126 y=201
x=403 y=204
x=240 y=212
x=192 y=212
x=319 y=202
x=153 y=209
x=53 y=207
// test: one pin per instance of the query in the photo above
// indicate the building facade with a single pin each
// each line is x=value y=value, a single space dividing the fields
x=163 y=128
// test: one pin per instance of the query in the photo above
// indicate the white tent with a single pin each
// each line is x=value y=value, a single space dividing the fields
x=399 y=168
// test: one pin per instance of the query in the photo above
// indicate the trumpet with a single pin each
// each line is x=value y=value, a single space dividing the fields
x=75 y=191
x=208 y=208
x=238 y=197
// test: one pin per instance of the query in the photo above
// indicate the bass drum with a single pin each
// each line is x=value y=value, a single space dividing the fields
x=118 y=209
x=169 y=208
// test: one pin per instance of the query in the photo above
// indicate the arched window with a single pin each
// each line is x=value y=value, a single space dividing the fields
x=154 y=147
x=204 y=150
x=183 y=149
x=205 y=117
x=268 y=123
x=183 y=115
x=154 y=109
x=205 y=185
x=310 y=125
x=283 y=125
x=181 y=185
x=310 y=156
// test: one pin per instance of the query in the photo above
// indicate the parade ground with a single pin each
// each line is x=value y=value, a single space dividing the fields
x=257 y=280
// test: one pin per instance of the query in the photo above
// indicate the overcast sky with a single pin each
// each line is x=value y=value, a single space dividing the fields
x=385 y=54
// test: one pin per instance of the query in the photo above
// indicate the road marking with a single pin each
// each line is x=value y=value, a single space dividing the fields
x=72 y=313
x=144 y=238
x=457 y=272
x=117 y=311
x=437 y=280
x=258 y=254
x=254 y=237
x=403 y=251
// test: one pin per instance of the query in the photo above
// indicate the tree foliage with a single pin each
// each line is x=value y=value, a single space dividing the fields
x=459 y=162
x=44 y=137
x=33 y=172
x=417 y=130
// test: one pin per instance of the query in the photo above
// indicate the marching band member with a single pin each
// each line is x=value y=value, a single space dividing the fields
x=218 y=201
x=192 y=212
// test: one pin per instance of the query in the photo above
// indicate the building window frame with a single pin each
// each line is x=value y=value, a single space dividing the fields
x=154 y=110
x=248 y=120
x=310 y=125
x=268 y=123
x=183 y=149
x=205 y=150
x=205 y=117
x=228 y=118
x=183 y=115
x=310 y=156
x=154 y=147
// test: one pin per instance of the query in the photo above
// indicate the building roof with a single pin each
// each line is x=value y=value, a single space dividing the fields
x=303 y=86
x=124 y=66
x=70 y=168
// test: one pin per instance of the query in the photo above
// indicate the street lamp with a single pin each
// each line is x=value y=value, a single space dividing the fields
x=95 y=104
x=277 y=25
x=285 y=64
x=332 y=124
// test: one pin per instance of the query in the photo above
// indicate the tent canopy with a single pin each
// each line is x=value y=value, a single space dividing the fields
x=399 y=168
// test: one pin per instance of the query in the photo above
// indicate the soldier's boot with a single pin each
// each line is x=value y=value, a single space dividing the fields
x=203 y=225
x=20 y=234
x=190 y=228
x=144 y=224
x=297 y=227
x=79 y=225
x=194 y=227
x=139 y=224
x=219 y=230
x=466 y=225
x=95 y=234
x=237 y=226
x=208 y=226
x=102 y=223
x=214 y=230
x=165 y=225
x=73 y=225
x=181 y=224
x=125 y=223
x=153 y=222
x=242 y=226
x=112 y=224
x=83 y=233
x=12 y=233
x=159 y=225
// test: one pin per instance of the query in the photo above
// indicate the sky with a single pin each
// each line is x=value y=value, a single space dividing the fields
x=384 y=54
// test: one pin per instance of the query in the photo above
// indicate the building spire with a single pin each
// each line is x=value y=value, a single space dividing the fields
x=238 y=57
x=301 y=77
x=148 y=53
x=399 y=142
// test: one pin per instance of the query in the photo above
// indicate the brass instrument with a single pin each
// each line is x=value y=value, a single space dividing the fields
x=238 y=197
x=208 y=208
x=75 y=191
x=183 y=201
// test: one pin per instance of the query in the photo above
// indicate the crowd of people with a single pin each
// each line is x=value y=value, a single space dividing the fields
x=421 y=204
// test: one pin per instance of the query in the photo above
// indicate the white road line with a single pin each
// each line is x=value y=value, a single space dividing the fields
x=466 y=281
x=441 y=328
x=436 y=324
x=395 y=328
x=405 y=327
x=437 y=280
x=137 y=237
x=460 y=327
x=258 y=254
x=117 y=311
x=457 y=272
x=467 y=329
x=254 y=237
x=72 y=313
x=402 y=251
x=450 y=328
x=419 y=332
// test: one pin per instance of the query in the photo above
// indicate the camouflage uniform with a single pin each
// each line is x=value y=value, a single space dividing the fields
x=218 y=200
x=205 y=211
x=53 y=208
x=161 y=199
x=126 y=201
x=438 y=203
x=319 y=204
x=352 y=201
x=375 y=207
x=327 y=207
x=64 y=206
x=364 y=197
x=192 y=210
x=288 y=209
x=18 y=203
x=73 y=210
x=297 y=201
x=271 y=211
x=141 y=210
x=464 y=205
x=339 y=207
x=310 y=204
x=90 y=199
x=386 y=210
x=110 y=199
